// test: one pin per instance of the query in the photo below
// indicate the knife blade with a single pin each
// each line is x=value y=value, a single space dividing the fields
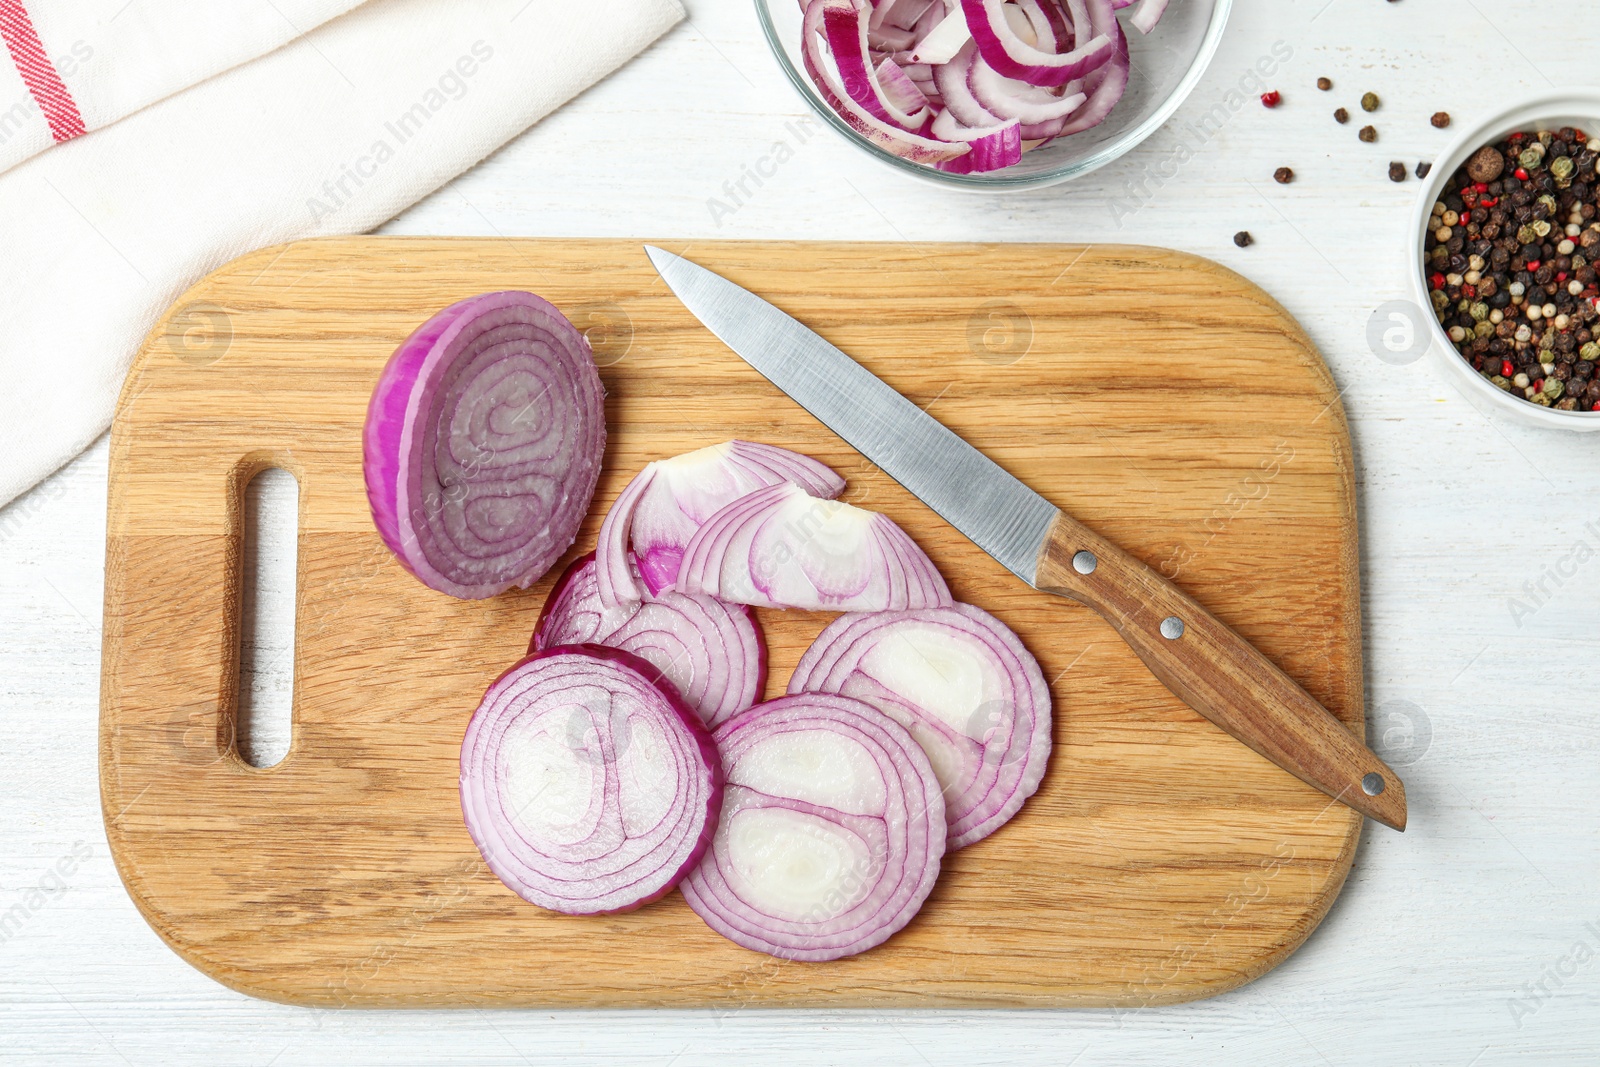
x=1194 y=654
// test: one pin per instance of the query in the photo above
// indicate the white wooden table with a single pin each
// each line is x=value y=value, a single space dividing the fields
x=1472 y=939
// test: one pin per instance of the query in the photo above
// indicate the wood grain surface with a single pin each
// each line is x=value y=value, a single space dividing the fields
x=1216 y=672
x=1166 y=402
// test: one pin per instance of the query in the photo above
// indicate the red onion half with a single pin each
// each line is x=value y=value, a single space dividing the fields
x=711 y=652
x=831 y=832
x=660 y=510
x=964 y=687
x=587 y=787
x=483 y=442
x=779 y=547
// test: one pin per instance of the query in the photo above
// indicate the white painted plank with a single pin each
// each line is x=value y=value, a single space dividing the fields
x=1435 y=950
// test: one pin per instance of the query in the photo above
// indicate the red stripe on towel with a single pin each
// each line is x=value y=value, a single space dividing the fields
x=38 y=73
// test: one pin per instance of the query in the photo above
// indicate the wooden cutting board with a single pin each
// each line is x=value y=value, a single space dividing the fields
x=1164 y=400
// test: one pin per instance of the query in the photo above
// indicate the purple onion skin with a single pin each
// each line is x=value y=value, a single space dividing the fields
x=386 y=415
x=835 y=659
x=390 y=444
x=697 y=730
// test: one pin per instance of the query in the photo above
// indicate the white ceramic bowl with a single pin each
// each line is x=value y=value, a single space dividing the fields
x=1546 y=111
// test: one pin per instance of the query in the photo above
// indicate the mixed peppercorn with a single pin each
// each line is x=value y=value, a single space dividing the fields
x=1509 y=257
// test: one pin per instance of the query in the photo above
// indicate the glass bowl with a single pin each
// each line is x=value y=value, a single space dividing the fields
x=1166 y=66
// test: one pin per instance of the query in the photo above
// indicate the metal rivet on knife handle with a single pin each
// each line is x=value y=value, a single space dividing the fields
x=1212 y=669
x=1219 y=673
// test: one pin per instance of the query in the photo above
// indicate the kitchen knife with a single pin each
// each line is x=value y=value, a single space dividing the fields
x=1213 y=669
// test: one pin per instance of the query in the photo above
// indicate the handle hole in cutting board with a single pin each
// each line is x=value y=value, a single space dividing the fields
x=266 y=616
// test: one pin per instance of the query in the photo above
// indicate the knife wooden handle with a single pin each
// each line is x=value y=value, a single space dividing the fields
x=1217 y=672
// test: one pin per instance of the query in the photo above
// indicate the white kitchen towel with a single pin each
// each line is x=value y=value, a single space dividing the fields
x=82 y=65
x=334 y=133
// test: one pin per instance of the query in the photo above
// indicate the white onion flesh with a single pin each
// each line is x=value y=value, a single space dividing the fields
x=782 y=548
x=964 y=687
x=660 y=510
x=712 y=653
x=1056 y=67
x=831 y=833
x=588 y=787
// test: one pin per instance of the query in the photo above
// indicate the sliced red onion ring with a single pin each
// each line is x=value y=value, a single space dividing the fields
x=1105 y=88
x=963 y=685
x=1011 y=99
x=1050 y=29
x=1147 y=14
x=782 y=548
x=961 y=107
x=904 y=14
x=711 y=652
x=930 y=18
x=1023 y=25
x=587 y=786
x=888 y=39
x=831 y=832
x=901 y=91
x=1035 y=134
x=885 y=135
x=844 y=22
x=971 y=67
x=668 y=501
x=944 y=40
x=483 y=443
x=1009 y=54
x=992 y=149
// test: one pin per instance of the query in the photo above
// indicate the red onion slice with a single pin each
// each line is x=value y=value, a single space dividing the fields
x=963 y=685
x=901 y=91
x=1105 y=88
x=587 y=787
x=1011 y=99
x=483 y=443
x=904 y=14
x=992 y=149
x=972 y=67
x=961 y=107
x=711 y=652
x=844 y=23
x=831 y=831
x=1044 y=19
x=1014 y=57
x=944 y=40
x=663 y=506
x=781 y=548
x=885 y=135
x=1147 y=14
